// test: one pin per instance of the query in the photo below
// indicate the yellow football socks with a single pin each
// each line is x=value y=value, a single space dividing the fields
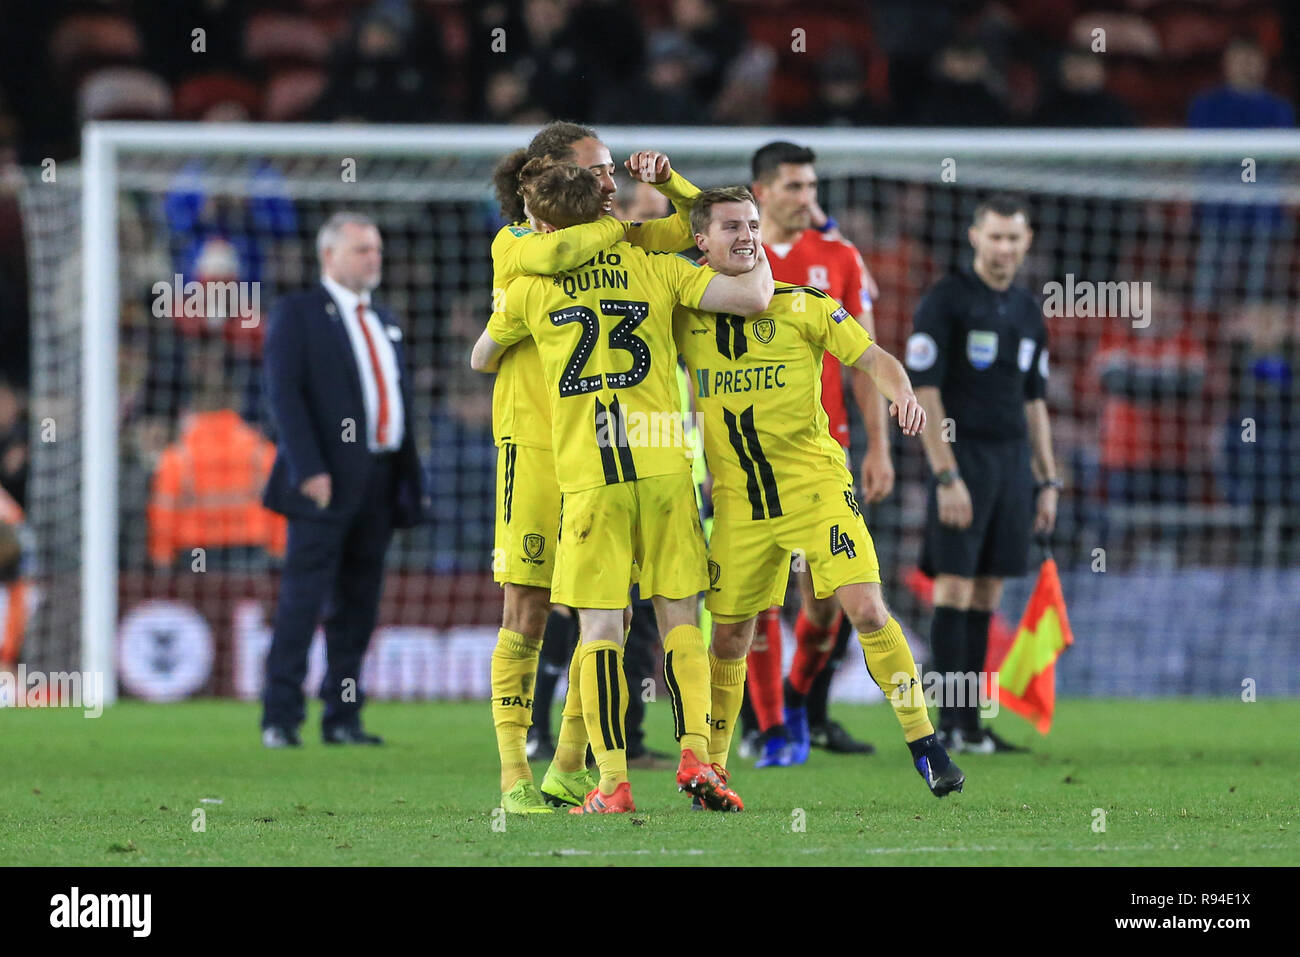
x=603 y=688
x=686 y=669
x=892 y=667
x=514 y=672
x=571 y=745
x=728 y=691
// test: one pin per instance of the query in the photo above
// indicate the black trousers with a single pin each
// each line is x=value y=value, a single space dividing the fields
x=333 y=571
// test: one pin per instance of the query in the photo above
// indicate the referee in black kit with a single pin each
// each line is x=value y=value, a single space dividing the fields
x=978 y=355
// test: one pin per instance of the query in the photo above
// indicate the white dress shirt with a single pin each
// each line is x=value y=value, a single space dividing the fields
x=347 y=301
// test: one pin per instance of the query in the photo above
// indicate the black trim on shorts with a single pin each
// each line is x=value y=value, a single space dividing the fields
x=624 y=453
x=606 y=452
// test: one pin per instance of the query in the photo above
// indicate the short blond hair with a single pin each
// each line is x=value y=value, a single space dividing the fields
x=702 y=211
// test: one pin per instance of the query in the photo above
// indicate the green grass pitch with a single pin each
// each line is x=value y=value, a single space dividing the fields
x=1181 y=782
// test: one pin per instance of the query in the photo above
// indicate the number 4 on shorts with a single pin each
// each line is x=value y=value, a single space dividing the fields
x=841 y=543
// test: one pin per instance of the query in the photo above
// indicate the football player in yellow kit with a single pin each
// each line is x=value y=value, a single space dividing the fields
x=779 y=480
x=604 y=336
x=528 y=496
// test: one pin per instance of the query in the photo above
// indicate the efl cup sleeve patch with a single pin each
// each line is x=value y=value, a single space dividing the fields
x=922 y=351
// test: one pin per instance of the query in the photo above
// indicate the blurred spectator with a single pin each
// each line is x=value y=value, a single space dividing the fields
x=1152 y=383
x=195 y=214
x=462 y=467
x=506 y=100
x=168 y=28
x=13 y=442
x=1242 y=102
x=715 y=35
x=959 y=93
x=669 y=98
x=1238 y=241
x=1079 y=97
x=377 y=79
x=640 y=202
x=609 y=39
x=207 y=489
x=743 y=99
x=910 y=34
x=841 y=98
x=534 y=41
x=17 y=597
x=1262 y=436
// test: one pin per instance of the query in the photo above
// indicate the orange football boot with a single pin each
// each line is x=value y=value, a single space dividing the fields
x=620 y=802
x=708 y=783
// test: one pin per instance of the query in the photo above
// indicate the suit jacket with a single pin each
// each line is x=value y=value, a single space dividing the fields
x=313 y=385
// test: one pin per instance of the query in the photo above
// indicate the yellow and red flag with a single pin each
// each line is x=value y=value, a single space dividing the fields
x=1027 y=675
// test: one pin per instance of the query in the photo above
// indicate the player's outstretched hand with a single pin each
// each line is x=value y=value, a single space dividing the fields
x=649 y=167
x=910 y=415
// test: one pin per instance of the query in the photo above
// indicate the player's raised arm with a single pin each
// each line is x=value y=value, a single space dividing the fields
x=670 y=233
x=891 y=379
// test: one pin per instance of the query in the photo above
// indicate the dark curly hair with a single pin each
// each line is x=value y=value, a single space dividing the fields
x=553 y=141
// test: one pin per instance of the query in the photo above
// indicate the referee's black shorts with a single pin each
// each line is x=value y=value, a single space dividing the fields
x=996 y=543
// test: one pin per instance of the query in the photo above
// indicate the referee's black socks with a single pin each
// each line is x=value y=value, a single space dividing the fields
x=557 y=647
x=948 y=656
x=977 y=646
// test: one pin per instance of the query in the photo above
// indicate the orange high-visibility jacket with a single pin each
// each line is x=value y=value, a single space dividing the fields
x=207 y=491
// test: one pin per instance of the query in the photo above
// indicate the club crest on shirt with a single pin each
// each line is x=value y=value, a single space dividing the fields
x=533 y=545
x=764 y=330
x=981 y=348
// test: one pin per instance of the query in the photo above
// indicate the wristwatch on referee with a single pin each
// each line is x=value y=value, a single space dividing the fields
x=1049 y=483
x=946 y=477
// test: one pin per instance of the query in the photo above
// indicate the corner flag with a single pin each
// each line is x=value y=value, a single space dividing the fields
x=1027 y=676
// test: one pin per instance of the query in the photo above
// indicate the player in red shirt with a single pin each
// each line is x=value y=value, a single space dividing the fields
x=804 y=247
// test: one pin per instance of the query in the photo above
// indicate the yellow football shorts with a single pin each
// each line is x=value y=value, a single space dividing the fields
x=528 y=516
x=750 y=559
x=652 y=522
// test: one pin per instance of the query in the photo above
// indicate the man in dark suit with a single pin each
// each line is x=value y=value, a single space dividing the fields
x=346 y=474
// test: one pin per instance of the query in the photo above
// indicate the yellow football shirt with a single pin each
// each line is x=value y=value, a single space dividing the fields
x=604 y=337
x=758 y=392
x=518 y=417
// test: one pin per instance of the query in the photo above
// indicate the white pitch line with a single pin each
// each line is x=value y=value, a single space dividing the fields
x=977 y=849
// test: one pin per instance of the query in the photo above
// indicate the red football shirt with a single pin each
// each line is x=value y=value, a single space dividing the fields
x=835 y=267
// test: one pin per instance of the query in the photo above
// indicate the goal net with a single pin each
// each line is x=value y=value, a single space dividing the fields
x=1166 y=262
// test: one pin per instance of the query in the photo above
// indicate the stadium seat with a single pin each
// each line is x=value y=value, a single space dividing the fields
x=196 y=95
x=1187 y=32
x=280 y=40
x=123 y=93
x=290 y=94
x=1126 y=33
x=85 y=42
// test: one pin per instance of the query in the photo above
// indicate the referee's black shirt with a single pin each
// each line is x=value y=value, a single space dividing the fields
x=985 y=350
